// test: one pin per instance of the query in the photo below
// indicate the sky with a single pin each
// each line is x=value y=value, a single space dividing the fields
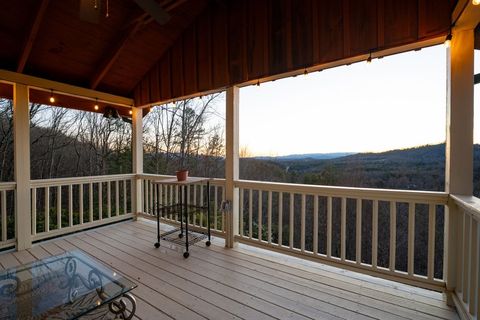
x=395 y=102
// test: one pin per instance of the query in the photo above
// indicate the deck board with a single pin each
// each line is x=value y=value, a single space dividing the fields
x=240 y=283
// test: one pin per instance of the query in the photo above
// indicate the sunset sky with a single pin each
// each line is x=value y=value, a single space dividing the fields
x=395 y=102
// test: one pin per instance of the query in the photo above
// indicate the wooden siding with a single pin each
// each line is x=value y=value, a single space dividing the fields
x=238 y=41
x=241 y=283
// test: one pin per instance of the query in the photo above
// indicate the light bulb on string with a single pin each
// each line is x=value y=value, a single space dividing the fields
x=448 y=40
x=52 y=98
x=475 y=2
x=96 y=104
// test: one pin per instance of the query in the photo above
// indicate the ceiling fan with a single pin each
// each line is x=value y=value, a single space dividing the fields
x=92 y=10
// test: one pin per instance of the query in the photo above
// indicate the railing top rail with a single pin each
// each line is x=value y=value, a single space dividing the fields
x=8 y=185
x=470 y=204
x=78 y=180
x=364 y=193
x=213 y=181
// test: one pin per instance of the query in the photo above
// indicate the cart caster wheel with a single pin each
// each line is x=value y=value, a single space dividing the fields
x=157 y=245
x=180 y=235
x=208 y=243
x=186 y=254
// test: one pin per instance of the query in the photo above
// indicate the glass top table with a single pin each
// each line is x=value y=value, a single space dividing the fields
x=66 y=286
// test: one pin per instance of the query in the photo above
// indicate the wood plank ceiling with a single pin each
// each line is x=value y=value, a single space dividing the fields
x=206 y=45
x=48 y=39
x=240 y=41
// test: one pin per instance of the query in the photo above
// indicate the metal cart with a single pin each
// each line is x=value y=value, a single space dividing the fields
x=184 y=209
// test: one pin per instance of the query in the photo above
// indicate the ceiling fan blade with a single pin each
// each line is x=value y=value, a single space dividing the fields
x=88 y=12
x=155 y=10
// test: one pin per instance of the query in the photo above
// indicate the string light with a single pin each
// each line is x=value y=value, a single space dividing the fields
x=475 y=2
x=96 y=104
x=130 y=112
x=52 y=98
x=258 y=83
x=305 y=72
x=448 y=40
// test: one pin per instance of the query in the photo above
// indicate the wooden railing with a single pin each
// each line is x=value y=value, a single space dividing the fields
x=168 y=194
x=392 y=234
x=7 y=214
x=467 y=291
x=66 y=205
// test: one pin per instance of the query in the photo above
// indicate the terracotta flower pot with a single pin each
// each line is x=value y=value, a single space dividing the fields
x=182 y=175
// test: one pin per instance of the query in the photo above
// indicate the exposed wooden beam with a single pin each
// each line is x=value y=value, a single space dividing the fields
x=32 y=35
x=113 y=55
x=44 y=84
x=135 y=25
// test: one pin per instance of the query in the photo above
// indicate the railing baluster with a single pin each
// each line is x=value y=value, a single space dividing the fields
x=473 y=299
x=393 y=235
x=194 y=222
x=130 y=196
x=215 y=207
x=188 y=203
x=202 y=204
x=152 y=192
x=466 y=256
x=100 y=201
x=302 y=223
x=125 y=209
x=260 y=211
x=431 y=241
x=80 y=202
x=59 y=207
x=145 y=196
x=117 y=198
x=223 y=213
x=280 y=218
x=34 y=211
x=358 y=232
x=90 y=202
x=109 y=200
x=240 y=213
x=70 y=205
x=47 y=209
x=269 y=218
x=343 y=229
x=170 y=202
x=329 y=227
x=4 y=215
x=315 y=224
x=250 y=213
x=375 y=234
x=411 y=237
x=154 y=198
x=291 y=221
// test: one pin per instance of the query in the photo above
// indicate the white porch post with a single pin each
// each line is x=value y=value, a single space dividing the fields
x=21 y=130
x=459 y=147
x=137 y=158
x=231 y=164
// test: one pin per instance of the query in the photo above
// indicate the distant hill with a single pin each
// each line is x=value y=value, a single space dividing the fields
x=419 y=168
x=315 y=156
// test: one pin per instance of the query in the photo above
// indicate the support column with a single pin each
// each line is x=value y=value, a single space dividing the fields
x=21 y=130
x=459 y=147
x=137 y=158
x=231 y=164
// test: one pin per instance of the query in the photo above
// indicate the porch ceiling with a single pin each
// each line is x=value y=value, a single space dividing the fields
x=206 y=44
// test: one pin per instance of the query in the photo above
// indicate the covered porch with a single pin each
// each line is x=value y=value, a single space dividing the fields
x=240 y=283
x=248 y=272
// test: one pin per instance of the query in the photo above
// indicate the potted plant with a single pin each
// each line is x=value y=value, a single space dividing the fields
x=182 y=174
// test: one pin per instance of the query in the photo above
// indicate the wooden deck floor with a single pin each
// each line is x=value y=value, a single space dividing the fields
x=241 y=283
